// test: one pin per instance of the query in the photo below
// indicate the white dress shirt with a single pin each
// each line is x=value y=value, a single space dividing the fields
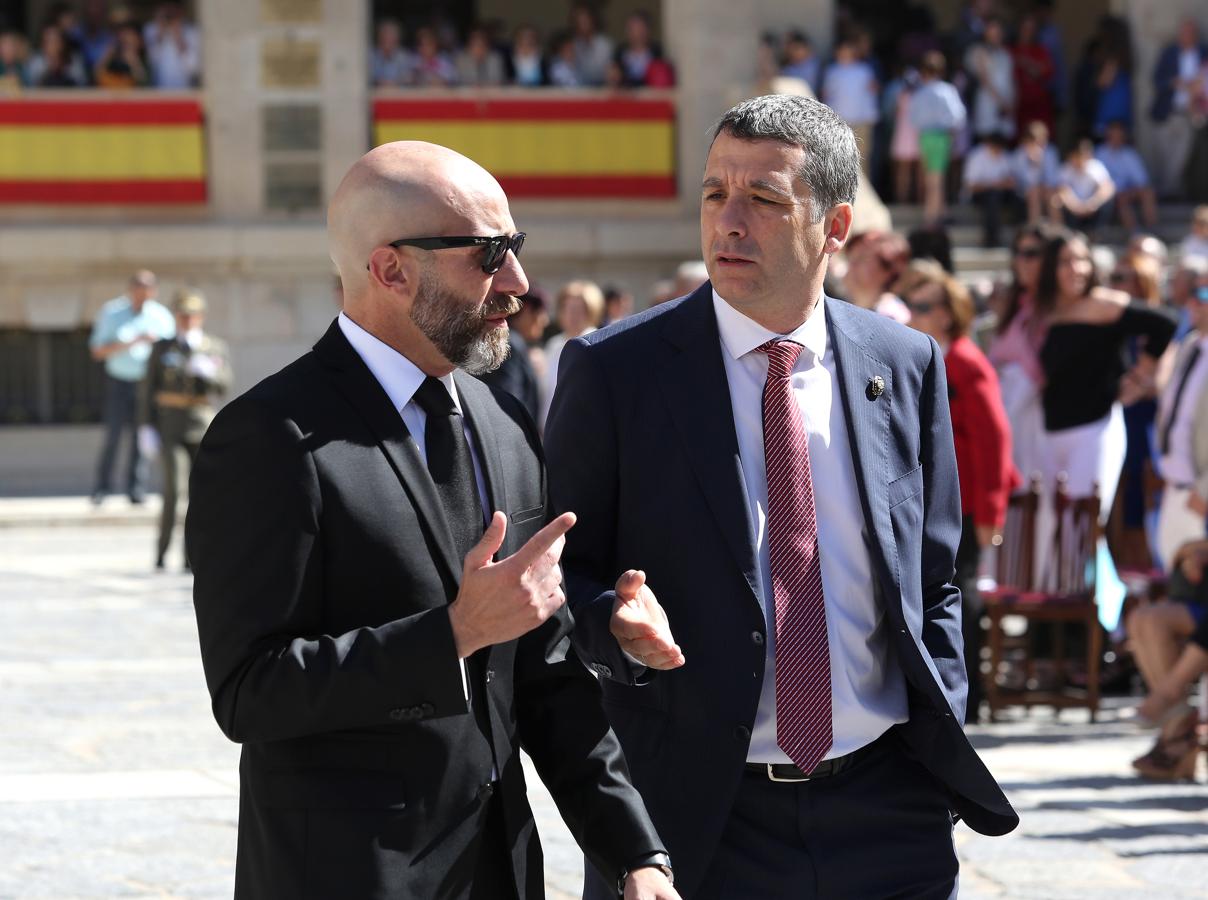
x=400 y=378
x=984 y=167
x=1086 y=181
x=868 y=688
x=1178 y=464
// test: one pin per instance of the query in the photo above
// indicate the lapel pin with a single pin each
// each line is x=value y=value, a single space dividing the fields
x=876 y=387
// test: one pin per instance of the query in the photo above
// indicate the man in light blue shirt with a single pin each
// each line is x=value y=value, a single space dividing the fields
x=122 y=336
x=1127 y=169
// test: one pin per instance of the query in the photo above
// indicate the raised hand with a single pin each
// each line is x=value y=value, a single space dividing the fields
x=500 y=601
x=640 y=625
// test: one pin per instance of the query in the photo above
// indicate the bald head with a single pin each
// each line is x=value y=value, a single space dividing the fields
x=403 y=189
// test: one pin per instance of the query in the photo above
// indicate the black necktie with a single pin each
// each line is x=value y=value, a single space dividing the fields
x=452 y=470
x=451 y=466
x=1167 y=426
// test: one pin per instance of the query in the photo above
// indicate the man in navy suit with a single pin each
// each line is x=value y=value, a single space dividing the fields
x=761 y=574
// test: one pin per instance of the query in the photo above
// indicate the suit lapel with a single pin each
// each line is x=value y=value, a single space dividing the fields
x=476 y=400
x=362 y=391
x=867 y=424
x=476 y=403
x=1176 y=376
x=692 y=377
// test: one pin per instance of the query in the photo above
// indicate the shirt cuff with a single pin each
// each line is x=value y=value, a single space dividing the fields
x=637 y=664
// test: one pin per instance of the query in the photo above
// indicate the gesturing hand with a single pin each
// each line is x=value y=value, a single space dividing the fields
x=640 y=625
x=500 y=601
x=649 y=883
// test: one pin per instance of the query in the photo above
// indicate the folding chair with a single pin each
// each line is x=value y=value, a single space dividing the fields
x=1066 y=593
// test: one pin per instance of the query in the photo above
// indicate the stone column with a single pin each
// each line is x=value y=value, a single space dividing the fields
x=287 y=102
x=714 y=46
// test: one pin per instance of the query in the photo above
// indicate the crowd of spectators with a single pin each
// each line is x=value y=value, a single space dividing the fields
x=976 y=114
x=580 y=55
x=93 y=45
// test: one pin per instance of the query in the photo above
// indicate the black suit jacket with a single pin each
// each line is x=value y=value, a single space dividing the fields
x=324 y=569
x=642 y=445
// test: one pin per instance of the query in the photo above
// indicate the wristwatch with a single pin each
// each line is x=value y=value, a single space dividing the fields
x=660 y=861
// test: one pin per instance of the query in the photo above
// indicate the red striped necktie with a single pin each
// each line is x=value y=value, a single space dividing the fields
x=803 y=679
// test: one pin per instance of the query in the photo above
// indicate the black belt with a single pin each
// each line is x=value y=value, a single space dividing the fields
x=787 y=772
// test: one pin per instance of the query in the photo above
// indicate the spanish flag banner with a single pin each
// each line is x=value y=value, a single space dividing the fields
x=102 y=151
x=559 y=148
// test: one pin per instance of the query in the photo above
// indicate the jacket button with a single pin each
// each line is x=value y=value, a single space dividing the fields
x=757 y=638
x=742 y=733
x=490 y=675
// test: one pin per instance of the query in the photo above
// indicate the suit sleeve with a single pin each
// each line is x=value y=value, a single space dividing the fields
x=581 y=446
x=253 y=536
x=941 y=535
x=565 y=731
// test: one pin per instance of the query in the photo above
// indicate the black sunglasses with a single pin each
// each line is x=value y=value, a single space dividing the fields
x=497 y=246
x=1029 y=252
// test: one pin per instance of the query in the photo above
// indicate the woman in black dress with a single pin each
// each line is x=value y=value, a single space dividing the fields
x=1084 y=358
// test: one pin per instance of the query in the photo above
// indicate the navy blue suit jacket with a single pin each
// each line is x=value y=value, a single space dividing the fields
x=1165 y=74
x=641 y=445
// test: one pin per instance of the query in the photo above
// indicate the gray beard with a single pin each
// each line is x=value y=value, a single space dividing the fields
x=456 y=330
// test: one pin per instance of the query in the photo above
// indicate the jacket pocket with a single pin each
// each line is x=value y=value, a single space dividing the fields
x=329 y=789
x=905 y=486
x=521 y=516
x=326 y=773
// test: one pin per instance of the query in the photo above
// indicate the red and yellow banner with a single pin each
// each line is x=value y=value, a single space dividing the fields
x=102 y=151
x=595 y=147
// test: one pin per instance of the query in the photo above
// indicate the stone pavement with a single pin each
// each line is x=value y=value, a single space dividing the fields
x=115 y=782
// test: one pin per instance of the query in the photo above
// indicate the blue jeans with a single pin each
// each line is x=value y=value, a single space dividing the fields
x=121 y=399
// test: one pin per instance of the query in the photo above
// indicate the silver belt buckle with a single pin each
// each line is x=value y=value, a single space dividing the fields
x=772 y=777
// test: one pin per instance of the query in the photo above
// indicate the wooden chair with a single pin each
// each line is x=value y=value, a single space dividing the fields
x=1014 y=574
x=1064 y=593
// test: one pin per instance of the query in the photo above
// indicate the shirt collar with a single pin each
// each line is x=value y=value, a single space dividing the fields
x=397 y=375
x=740 y=334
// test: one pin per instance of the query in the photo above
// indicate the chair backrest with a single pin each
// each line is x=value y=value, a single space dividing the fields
x=1015 y=565
x=1077 y=542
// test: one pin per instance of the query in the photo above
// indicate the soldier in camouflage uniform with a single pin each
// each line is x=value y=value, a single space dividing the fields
x=185 y=377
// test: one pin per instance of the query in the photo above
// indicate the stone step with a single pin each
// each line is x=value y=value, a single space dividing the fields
x=1174 y=223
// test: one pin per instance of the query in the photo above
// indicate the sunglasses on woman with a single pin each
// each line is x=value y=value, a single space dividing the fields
x=497 y=246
